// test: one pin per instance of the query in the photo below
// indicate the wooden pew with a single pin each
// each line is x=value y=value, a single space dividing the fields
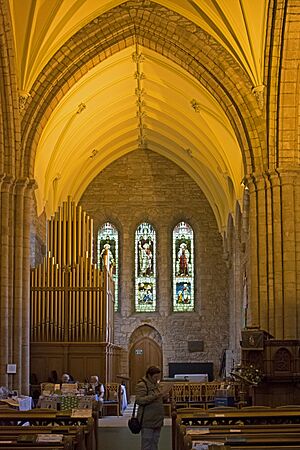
x=40 y=417
x=236 y=436
x=228 y=416
x=78 y=433
x=188 y=445
x=14 y=442
x=271 y=440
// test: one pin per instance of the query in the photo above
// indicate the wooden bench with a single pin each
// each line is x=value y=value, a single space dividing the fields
x=19 y=441
x=77 y=432
x=40 y=417
x=188 y=444
x=270 y=439
x=281 y=434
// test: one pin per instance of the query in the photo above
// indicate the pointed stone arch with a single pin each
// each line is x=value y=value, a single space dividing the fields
x=9 y=103
x=145 y=349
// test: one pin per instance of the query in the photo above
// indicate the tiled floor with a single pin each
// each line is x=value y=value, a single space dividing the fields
x=113 y=434
x=120 y=438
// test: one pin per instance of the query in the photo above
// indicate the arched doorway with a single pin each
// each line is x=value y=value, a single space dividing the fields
x=145 y=351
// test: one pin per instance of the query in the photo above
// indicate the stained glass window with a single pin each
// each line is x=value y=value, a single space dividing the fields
x=183 y=267
x=145 y=268
x=108 y=240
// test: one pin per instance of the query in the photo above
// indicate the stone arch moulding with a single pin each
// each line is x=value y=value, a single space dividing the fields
x=9 y=104
x=143 y=331
x=95 y=45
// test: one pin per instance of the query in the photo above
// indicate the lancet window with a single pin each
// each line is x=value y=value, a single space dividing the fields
x=145 y=268
x=183 y=267
x=108 y=242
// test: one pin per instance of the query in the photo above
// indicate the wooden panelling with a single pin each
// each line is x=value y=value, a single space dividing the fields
x=80 y=360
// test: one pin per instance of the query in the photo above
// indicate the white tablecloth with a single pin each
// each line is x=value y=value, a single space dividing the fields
x=25 y=403
x=123 y=398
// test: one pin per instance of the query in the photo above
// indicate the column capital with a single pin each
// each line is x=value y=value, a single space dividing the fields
x=289 y=175
x=26 y=183
x=6 y=182
x=255 y=181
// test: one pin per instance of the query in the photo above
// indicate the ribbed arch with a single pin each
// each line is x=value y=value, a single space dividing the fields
x=9 y=105
x=97 y=41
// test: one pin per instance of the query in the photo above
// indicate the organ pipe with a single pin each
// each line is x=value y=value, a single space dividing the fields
x=69 y=294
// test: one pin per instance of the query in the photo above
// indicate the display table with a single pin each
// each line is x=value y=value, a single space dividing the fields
x=22 y=403
x=69 y=402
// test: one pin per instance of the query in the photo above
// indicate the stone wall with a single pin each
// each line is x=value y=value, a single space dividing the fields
x=143 y=186
x=38 y=236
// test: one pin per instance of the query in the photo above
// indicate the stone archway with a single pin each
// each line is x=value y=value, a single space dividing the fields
x=145 y=349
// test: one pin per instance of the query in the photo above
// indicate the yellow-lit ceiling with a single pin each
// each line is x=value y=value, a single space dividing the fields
x=100 y=118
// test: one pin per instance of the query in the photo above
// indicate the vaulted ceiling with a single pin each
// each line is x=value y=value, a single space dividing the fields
x=137 y=98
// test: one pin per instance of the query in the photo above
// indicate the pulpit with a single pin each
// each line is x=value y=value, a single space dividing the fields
x=279 y=361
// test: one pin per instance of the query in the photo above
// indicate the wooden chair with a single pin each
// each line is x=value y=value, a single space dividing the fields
x=180 y=395
x=112 y=397
x=210 y=391
x=196 y=395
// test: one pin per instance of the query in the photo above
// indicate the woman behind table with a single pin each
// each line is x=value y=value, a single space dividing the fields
x=149 y=398
x=97 y=387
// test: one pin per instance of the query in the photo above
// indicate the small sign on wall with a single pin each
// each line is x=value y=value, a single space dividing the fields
x=139 y=351
x=11 y=368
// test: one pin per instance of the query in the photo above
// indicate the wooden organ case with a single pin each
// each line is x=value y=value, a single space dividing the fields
x=72 y=303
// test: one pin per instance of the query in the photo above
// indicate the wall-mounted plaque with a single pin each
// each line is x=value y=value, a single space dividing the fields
x=195 y=346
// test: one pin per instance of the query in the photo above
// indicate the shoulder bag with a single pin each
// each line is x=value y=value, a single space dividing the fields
x=134 y=424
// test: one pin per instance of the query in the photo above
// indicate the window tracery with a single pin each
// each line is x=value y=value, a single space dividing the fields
x=145 y=268
x=108 y=241
x=183 y=267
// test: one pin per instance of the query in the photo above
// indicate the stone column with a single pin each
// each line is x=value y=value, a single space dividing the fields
x=27 y=216
x=18 y=281
x=5 y=277
x=275 y=253
x=256 y=222
x=290 y=252
x=275 y=250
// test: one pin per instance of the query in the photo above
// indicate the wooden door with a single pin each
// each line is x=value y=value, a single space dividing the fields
x=143 y=353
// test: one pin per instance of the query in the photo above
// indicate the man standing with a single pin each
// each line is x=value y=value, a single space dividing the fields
x=149 y=397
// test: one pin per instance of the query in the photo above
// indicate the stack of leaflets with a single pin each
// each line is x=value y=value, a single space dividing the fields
x=206 y=445
x=49 y=437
